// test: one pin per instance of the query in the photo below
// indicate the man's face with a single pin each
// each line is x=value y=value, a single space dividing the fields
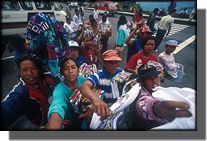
x=29 y=72
x=104 y=19
x=70 y=70
x=111 y=66
x=73 y=53
x=151 y=82
x=170 y=49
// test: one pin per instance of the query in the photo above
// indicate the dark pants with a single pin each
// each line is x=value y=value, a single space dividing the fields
x=159 y=36
x=104 y=42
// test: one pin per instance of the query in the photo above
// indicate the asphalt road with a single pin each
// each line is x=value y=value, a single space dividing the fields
x=186 y=57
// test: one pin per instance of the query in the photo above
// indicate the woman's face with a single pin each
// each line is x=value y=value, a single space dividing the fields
x=29 y=72
x=70 y=70
x=149 y=46
x=151 y=82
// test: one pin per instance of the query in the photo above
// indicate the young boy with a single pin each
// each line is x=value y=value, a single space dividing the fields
x=167 y=59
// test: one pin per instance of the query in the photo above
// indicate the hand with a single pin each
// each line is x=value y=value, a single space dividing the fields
x=87 y=115
x=119 y=49
x=171 y=109
x=139 y=24
x=100 y=107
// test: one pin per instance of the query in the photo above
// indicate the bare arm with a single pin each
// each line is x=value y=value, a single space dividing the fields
x=139 y=25
x=55 y=122
x=98 y=106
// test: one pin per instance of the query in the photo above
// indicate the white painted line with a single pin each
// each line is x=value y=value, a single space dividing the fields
x=175 y=30
x=180 y=25
x=6 y=58
x=184 y=44
x=178 y=28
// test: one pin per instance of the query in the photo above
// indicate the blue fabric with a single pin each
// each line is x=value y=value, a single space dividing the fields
x=80 y=60
x=19 y=102
x=48 y=40
x=102 y=80
x=61 y=100
x=135 y=48
x=121 y=37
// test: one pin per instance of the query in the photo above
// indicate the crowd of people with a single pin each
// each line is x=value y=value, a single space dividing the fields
x=52 y=56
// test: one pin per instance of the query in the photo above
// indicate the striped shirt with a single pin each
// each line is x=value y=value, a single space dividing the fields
x=102 y=79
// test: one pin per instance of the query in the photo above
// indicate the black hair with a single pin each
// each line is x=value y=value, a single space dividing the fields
x=92 y=19
x=17 y=42
x=62 y=62
x=35 y=60
x=155 y=11
x=144 y=41
x=76 y=10
x=172 y=11
x=122 y=21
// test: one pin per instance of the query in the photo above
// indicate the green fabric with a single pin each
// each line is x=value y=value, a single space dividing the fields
x=121 y=37
x=61 y=100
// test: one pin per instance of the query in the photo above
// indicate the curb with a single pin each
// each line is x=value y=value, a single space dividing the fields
x=176 y=20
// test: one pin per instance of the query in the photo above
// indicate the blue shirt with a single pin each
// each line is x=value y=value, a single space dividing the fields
x=61 y=100
x=80 y=60
x=102 y=79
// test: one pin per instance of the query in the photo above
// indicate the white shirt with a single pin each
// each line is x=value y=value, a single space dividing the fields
x=104 y=26
x=70 y=28
x=77 y=19
x=166 y=22
x=169 y=61
x=95 y=14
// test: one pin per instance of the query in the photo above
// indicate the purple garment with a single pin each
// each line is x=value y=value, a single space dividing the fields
x=146 y=119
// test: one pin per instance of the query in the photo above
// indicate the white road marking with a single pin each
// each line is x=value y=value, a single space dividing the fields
x=175 y=28
x=184 y=44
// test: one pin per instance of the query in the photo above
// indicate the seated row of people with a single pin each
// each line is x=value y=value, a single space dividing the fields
x=35 y=88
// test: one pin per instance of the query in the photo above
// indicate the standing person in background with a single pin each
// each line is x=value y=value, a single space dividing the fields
x=81 y=11
x=105 y=30
x=151 y=19
x=96 y=13
x=122 y=34
x=135 y=39
x=137 y=14
x=164 y=27
x=193 y=14
x=172 y=5
x=71 y=28
x=77 y=18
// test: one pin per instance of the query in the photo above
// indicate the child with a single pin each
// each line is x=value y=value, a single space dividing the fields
x=166 y=58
